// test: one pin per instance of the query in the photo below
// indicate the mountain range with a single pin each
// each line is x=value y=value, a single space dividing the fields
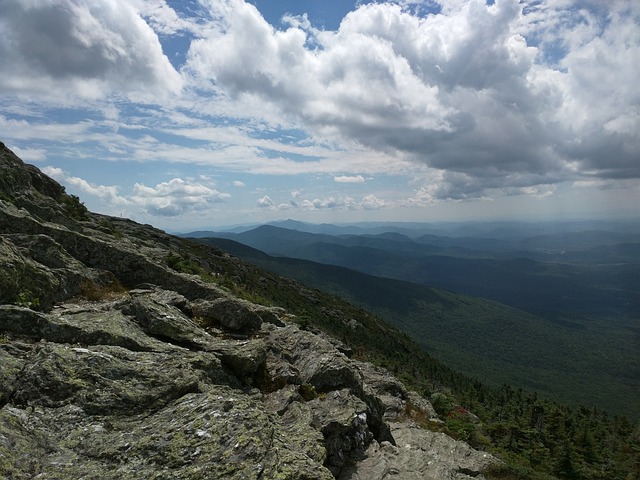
x=540 y=309
x=580 y=272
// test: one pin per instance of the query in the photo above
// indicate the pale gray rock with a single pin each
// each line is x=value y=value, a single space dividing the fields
x=157 y=316
x=342 y=419
x=12 y=362
x=243 y=357
x=280 y=372
x=27 y=282
x=87 y=324
x=280 y=400
x=420 y=405
x=419 y=455
x=233 y=314
x=112 y=380
x=297 y=421
x=317 y=360
x=313 y=359
x=177 y=378
x=221 y=433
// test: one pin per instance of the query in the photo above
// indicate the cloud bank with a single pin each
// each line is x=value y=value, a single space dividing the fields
x=473 y=91
x=167 y=199
x=444 y=100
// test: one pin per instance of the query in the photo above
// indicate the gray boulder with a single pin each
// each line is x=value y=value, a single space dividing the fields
x=221 y=433
x=419 y=455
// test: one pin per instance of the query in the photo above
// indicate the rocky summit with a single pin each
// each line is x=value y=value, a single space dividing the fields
x=123 y=357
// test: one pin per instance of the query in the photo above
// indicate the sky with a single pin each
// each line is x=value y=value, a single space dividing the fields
x=207 y=113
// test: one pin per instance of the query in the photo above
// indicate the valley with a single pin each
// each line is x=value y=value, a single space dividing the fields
x=553 y=312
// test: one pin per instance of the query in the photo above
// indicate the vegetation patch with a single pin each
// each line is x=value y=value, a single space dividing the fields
x=95 y=292
x=183 y=264
x=109 y=227
x=504 y=471
x=307 y=392
x=5 y=197
x=27 y=299
x=73 y=206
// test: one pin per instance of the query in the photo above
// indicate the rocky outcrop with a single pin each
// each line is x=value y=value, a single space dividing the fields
x=418 y=455
x=115 y=363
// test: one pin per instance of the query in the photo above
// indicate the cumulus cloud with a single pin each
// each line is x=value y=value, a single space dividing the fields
x=479 y=99
x=349 y=179
x=167 y=199
x=163 y=18
x=176 y=197
x=88 y=48
x=369 y=202
x=30 y=154
x=25 y=130
x=265 y=202
x=106 y=192
x=604 y=111
x=475 y=91
x=344 y=202
x=329 y=203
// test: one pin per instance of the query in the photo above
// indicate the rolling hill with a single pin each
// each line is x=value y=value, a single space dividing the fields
x=560 y=357
x=555 y=275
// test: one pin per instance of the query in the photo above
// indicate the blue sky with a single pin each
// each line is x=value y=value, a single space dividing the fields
x=204 y=113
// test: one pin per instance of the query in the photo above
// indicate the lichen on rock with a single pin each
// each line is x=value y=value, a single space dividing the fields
x=114 y=365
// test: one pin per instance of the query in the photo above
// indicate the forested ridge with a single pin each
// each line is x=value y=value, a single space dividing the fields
x=537 y=437
x=484 y=339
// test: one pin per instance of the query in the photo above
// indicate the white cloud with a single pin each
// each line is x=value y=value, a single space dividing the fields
x=473 y=91
x=603 y=114
x=349 y=179
x=242 y=136
x=163 y=18
x=538 y=191
x=106 y=192
x=176 y=197
x=265 y=202
x=478 y=101
x=26 y=130
x=86 y=48
x=369 y=202
x=54 y=172
x=30 y=154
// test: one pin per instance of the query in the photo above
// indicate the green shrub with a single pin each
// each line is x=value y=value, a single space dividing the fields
x=27 y=299
x=183 y=264
x=307 y=392
x=5 y=197
x=442 y=404
x=460 y=429
x=109 y=227
x=74 y=207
